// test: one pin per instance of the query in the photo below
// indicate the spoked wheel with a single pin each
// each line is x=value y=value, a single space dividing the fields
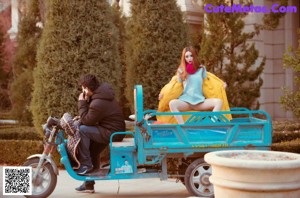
x=45 y=182
x=196 y=179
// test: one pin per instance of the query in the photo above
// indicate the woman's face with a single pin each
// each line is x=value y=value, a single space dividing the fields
x=188 y=57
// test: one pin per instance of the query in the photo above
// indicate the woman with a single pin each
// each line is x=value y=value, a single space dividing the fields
x=191 y=73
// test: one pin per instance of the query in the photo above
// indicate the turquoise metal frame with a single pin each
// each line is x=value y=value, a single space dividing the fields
x=151 y=144
x=203 y=132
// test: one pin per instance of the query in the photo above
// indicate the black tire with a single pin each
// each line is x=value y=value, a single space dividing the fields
x=196 y=179
x=46 y=181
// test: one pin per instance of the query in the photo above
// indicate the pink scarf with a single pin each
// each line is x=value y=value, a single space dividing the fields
x=190 y=69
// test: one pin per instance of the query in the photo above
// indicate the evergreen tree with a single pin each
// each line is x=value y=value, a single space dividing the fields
x=5 y=103
x=227 y=52
x=79 y=37
x=2 y=73
x=156 y=36
x=271 y=20
x=2 y=55
x=24 y=63
x=290 y=99
x=120 y=22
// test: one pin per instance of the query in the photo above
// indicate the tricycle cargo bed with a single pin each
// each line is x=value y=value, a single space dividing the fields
x=202 y=131
x=236 y=133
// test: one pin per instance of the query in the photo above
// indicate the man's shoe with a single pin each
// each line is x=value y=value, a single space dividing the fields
x=84 y=170
x=86 y=187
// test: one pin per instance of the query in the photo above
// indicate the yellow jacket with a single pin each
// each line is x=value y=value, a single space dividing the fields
x=213 y=87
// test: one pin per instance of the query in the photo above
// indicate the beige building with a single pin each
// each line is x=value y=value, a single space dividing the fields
x=271 y=44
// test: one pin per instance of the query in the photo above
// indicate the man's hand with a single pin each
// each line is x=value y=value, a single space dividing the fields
x=76 y=117
x=81 y=97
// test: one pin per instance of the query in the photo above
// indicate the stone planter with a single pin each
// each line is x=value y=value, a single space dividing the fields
x=252 y=173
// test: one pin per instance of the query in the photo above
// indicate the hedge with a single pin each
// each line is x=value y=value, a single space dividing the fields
x=289 y=146
x=286 y=125
x=285 y=136
x=17 y=132
x=20 y=136
x=16 y=151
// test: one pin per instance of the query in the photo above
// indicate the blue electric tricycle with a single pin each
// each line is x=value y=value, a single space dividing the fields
x=161 y=151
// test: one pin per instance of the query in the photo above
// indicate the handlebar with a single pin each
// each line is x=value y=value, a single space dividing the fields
x=52 y=121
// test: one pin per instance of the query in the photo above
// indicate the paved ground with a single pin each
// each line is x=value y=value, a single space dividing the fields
x=147 y=188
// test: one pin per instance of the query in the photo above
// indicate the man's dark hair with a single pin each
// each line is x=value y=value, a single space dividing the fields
x=90 y=81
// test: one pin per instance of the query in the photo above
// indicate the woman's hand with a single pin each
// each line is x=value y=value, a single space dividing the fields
x=160 y=96
x=225 y=85
x=180 y=73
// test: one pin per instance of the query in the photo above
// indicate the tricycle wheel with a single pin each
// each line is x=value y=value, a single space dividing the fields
x=46 y=180
x=196 y=179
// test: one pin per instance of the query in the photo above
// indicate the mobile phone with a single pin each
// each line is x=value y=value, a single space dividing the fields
x=84 y=94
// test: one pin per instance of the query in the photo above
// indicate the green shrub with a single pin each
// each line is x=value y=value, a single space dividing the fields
x=12 y=135
x=24 y=63
x=156 y=35
x=4 y=115
x=291 y=97
x=6 y=125
x=5 y=103
x=290 y=146
x=226 y=51
x=284 y=131
x=12 y=132
x=79 y=37
x=16 y=151
x=286 y=125
x=285 y=136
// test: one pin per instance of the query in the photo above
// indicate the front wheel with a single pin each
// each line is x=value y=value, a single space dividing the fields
x=197 y=179
x=45 y=182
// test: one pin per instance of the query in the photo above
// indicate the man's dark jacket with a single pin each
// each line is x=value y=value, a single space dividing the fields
x=102 y=110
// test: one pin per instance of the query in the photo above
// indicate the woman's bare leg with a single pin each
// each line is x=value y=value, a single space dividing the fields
x=214 y=104
x=177 y=106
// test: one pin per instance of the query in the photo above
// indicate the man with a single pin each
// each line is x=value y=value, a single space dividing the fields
x=100 y=116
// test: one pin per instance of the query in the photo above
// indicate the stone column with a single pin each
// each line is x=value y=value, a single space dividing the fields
x=14 y=20
x=275 y=44
x=291 y=39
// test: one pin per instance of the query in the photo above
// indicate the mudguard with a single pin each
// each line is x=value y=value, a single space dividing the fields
x=48 y=159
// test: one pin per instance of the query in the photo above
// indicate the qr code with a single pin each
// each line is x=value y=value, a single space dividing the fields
x=17 y=180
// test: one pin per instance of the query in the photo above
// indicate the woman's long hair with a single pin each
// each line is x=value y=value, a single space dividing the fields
x=196 y=62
